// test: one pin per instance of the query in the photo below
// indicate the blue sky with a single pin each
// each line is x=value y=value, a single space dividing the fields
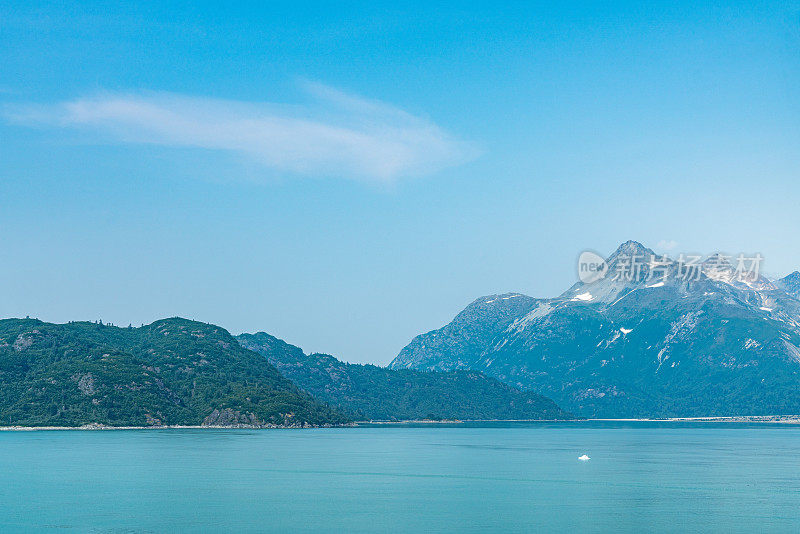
x=346 y=177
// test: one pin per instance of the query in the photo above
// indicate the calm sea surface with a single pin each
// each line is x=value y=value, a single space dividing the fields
x=515 y=477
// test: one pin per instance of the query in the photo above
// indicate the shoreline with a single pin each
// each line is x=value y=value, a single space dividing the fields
x=96 y=426
x=764 y=419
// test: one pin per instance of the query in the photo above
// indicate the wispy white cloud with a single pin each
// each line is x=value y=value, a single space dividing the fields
x=332 y=134
x=667 y=244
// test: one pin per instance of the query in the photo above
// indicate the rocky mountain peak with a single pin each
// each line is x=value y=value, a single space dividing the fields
x=631 y=248
x=790 y=284
x=649 y=338
x=793 y=278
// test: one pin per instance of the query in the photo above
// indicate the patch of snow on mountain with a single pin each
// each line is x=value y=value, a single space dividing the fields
x=751 y=343
x=607 y=342
x=538 y=312
x=793 y=351
x=679 y=330
x=584 y=296
x=683 y=325
x=500 y=344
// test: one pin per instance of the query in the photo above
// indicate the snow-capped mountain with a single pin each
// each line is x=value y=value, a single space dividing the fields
x=655 y=337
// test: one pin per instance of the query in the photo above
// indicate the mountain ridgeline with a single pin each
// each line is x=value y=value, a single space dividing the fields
x=648 y=344
x=180 y=372
x=367 y=392
x=171 y=372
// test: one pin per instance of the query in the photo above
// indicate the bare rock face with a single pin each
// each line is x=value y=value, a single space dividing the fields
x=24 y=341
x=86 y=384
x=228 y=417
x=153 y=421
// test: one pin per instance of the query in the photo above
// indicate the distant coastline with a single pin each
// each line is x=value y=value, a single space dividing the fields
x=786 y=419
x=766 y=419
x=95 y=426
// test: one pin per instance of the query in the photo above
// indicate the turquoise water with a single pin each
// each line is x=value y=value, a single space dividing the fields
x=467 y=478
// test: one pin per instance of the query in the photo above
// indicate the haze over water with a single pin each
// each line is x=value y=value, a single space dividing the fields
x=661 y=477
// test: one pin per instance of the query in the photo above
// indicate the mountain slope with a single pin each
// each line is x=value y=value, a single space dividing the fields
x=173 y=372
x=643 y=345
x=375 y=393
x=790 y=284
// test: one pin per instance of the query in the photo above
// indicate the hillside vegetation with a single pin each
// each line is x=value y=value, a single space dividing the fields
x=171 y=372
x=368 y=392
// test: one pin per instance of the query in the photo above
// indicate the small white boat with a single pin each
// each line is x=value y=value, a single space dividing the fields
x=584 y=458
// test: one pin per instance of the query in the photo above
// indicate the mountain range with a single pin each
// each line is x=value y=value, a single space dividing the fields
x=657 y=338
x=663 y=339
x=180 y=372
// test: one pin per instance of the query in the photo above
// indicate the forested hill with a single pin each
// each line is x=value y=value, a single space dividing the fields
x=367 y=392
x=171 y=372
